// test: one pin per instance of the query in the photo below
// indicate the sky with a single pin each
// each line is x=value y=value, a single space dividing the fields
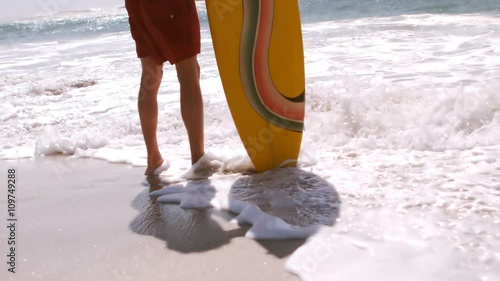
x=24 y=8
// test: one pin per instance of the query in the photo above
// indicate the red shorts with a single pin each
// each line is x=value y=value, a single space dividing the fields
x=166 y=30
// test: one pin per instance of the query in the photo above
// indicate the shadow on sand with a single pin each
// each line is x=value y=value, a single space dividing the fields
x=297 y=197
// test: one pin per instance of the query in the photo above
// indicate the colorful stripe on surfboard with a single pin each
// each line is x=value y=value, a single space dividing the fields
x=267 y=101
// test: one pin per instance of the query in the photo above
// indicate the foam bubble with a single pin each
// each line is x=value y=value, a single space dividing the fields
x=51 y=143
x=280 y=204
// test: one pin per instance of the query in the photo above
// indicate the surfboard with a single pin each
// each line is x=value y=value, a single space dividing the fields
x=259 y=52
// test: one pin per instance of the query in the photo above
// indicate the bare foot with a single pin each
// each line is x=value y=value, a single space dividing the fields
x=156 y=167
x=196 y=158
x=205 y=167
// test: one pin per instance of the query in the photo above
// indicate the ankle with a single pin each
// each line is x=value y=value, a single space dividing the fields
x=196 y=157
x=155 y=159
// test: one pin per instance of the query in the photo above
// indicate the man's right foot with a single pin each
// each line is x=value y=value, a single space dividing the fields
x=157 y=167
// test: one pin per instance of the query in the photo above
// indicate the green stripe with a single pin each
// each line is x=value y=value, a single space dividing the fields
x=251 y=10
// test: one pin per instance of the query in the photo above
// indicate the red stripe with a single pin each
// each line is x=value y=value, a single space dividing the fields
x=269 y=95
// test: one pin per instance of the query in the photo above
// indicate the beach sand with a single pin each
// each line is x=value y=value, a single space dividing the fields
x=83 y=219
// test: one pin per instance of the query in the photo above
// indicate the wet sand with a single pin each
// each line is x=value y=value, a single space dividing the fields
x=82 y=219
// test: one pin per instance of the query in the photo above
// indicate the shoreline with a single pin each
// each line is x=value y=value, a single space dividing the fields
x=87 y=219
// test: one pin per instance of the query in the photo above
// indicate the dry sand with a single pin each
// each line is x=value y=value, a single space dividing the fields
x=81 y=219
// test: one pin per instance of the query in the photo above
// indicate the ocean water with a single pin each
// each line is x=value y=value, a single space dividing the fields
x=402 y=127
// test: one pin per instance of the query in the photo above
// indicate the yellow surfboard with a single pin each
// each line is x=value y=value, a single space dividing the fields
x=259 y=51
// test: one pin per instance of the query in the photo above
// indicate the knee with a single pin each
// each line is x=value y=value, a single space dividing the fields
x=188 y=73
x=150 y=81
x=152 y=74
x=189 y=80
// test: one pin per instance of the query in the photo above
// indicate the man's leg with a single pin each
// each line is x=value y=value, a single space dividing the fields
x=188 y=73
x=152 y=74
